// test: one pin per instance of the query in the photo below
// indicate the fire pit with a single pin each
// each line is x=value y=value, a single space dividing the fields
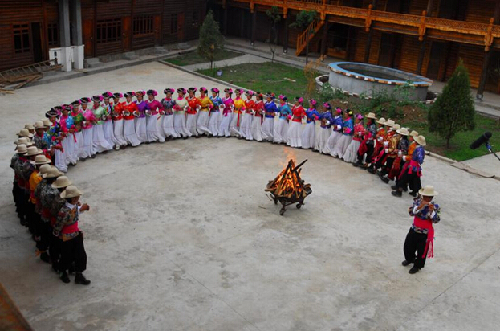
x=287 y=188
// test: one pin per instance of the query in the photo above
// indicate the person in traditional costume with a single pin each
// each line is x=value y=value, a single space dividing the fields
x=215 y=113
x=308 y=138
x=18 y=184
x=152 y=111
x=258 y=113
x=129 y=125
x=77 y=116
x=412 y=171
x=381 y=151
x=44 y=229
x=392 y=153
x=247 y=117
x=168 y=114
x=351 y=154
x=239 y=108
x=141 y=124
x=206 y=105
x=118 y=121
x=326 y=119
x=402 y=151
x=368 y=142
x=281 y=125
x=99 y=142
x=294 y=134
x=346 y=138
x=194 y=106
x=227 y=113
x=419 y=241
x=180 y=114
x=67 y=124
x=268 y=125
x=336 y=133
x=108 y=119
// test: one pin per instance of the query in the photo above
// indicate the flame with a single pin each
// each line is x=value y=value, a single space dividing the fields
x=289 y=155
x=288 y=183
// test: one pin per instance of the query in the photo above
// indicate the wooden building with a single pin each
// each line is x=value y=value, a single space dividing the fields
x=426 y=37
x=29 y=28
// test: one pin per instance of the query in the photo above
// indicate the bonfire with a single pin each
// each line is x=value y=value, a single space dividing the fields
x=288 y=188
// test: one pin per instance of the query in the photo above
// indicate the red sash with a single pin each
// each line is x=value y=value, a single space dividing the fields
x=426 y=224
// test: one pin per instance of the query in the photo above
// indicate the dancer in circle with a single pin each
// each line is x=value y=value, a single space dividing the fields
x=87 y=128
x=141 y=125
x=152 y=111
x=239 y=108
x=118 y=121
x=351 y=155
x=227 y=113
x=281 y=125
x=108 y=120
x=246 y=122
x=322 y=136
x=344 y=141
x=258 y=113
x=215 y=113
x=99 y=142
x=336 y=133
x=192 y=111
x=308 y=138
x=268 y=125
x=294 y=134
x=204 y=114
x=180 y=114
x=168 y=114
x=129 y=109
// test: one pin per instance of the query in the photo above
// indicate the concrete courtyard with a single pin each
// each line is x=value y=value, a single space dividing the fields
x=181 y=236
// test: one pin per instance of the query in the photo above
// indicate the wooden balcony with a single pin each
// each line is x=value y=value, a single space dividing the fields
x=483 y=34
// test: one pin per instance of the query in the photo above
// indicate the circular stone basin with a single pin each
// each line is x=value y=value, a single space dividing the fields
x=359 y=78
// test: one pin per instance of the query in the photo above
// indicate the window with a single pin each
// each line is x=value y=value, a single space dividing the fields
x=143 y=25
x=21 y=38
x=52 y=34
x=109 y=30
x=173 y=23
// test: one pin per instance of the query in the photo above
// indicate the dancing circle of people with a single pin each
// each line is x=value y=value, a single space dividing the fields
x=49 y=205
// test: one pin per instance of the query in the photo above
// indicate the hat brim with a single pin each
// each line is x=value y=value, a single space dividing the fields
x=419 y=141
x=71 y=195
x=60 y=186
x=40 y=163
x=432 y=194
x=372 y=117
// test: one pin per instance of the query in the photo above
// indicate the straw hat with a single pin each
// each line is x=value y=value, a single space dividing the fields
x=414 y=134
x=70 y=192
x=61 y=182
x=47 y=123
x=396 y=127
x=32 y=151
x=39 y=125
x=41 y=159
x=44 y=168
x=29 y=127
x=390 y=123
x=428 y=191
x=403 y=132
x=420 y=140
x=25 y=133
x=21 y=149
x=371 y=115
x=52 y=173
x=381 y=121
x=23 y=141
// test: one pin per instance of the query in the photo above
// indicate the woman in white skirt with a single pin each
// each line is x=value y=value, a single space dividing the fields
x=268 y=125
x=344 y=141
x=192 y=111
x=281 y=125
x=351 y=155
x=152 y=111
x=336 y=131
x=140 y=117
x=308 y=134
x=129 y=109
x=239 y=108
x=100 y=143
x=108 y=120
x=204 y=113
x=180 y=114
x=246 y=122
x=87 y=128
x=215 y=113
x=77 y=132
x=294 y=134
x=227 y=114
x=67 y=124
x=324 y=129
x=168 y=115
x=118 y=121
x=258 y=112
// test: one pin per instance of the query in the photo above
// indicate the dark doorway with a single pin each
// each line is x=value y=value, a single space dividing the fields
x=435 y=58
x=36 y=41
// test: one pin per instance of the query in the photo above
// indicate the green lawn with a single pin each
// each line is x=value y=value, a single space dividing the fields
x=193 y=58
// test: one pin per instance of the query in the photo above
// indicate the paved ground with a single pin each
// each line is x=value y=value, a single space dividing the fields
x=181 y=236
x=247 y=58
x=487 y=163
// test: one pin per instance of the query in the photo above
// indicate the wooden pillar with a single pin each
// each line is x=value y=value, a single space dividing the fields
x=368 y=44
x=254 y=24
x=421 y=54
x=324 y=38
x=487 y=57
x=285 y=34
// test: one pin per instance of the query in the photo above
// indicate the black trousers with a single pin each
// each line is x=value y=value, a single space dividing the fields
x=388 y=165
x=411 y=180
x=54 y=249
x=31 y=217
x=369 y=155
x=73 y=251
x=45 y=232
x=415 y=244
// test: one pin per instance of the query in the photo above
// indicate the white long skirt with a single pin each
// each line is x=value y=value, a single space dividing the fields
x=332 y=141
x=152 y=133
x=268 y=129
x=141 y=129
x=202 y=122
x=191 y=124
x=341 y=146
x=246 y=120
x=248 y=130
x=351 y=154
x=308 y=135
x=294 y=134
x=129 y=133
x=159 y=127
x=108 y=133
x=79 y=144
x=224 y=130
x=60 y=159
x=118 y=132
x=214 y=123
x=280 y=131
x=167 y=125
x=180 y=124
x=321 y=139
x=98 y=141
x=69 y=149
x=234 y=127
x=256 y=129
x=87 y=148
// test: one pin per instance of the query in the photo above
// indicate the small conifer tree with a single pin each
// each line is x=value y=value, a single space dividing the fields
x=211 y=41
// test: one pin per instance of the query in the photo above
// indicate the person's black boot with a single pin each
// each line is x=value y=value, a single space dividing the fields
x=385 y=180
x=397 y=193
x=405 y=263
x=45 y=257
x=414 y=270
x=394 y=187
x=413 y=193
x=64 y=277
x=80 y=279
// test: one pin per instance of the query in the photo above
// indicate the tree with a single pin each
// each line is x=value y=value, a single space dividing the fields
x=211 y=41
x=302 y=21
x=274 y=16
x=453 y=110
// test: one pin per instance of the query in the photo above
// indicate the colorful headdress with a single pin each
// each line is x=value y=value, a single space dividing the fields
x=140 y=92
x=97 y=98
x=239 y=90
x=203 y=89
x=129 y=94
x=181 y=90
x=359 y=117
x=312 y=102
x=228 y=90
x=118 y=95
x=85 y=100
x=299 y=99
x=338 y=111
x=327 y=105
x=52 y=112
x=280 y=97
x=348 y=111
x=248 y=92
x=168 y=90
x=192 y=89
x=214 y=89
x=76 y=102
x=107 y=94
x=152 y=92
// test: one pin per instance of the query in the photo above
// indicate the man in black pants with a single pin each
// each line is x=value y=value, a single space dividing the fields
x=419 y=240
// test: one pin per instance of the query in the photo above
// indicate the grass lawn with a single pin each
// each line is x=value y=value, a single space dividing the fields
x=193 y=58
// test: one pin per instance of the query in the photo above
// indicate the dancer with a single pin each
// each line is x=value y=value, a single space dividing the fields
x=206 y=105
x=268 y=125
x=224 y=128
x=308 y=138
x=194 y=106
x=336 y=132
x=294 y=134
x=141 y=125
x=281 y=126
x=412 y=171
x=402 y=152
x=118 y=121
x=129 y=109
x=351 y=154
x=108 y=119
x=344 y=141
x=258 y=113
x=152 y=110
x=99 y=142
x=168 y=115
x=239 y=108
x=324 y=132
x=215 y=113
x=180 y=115
x=247 y=117
x=87 y=128
x=369 y=143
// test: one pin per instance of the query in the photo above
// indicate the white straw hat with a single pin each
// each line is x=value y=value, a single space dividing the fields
x=420 y=140
x=23 y=141
x=414 y=133
x=61 y=182
x=52 y=173
x=41 y=159
x=428 y=191
x=381 y=121
x=21 y=149
x=47 y=123
x=371 y=115
x=39 y=125
x=390 y=123
x=25 y=133
x=403 y=131
x=70 y=192
x=32 y=151
x=44 y=168
x=29 y=127
x=396 y=127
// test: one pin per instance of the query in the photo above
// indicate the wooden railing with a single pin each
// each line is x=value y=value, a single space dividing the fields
x=307 y=35
x=470 y=32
